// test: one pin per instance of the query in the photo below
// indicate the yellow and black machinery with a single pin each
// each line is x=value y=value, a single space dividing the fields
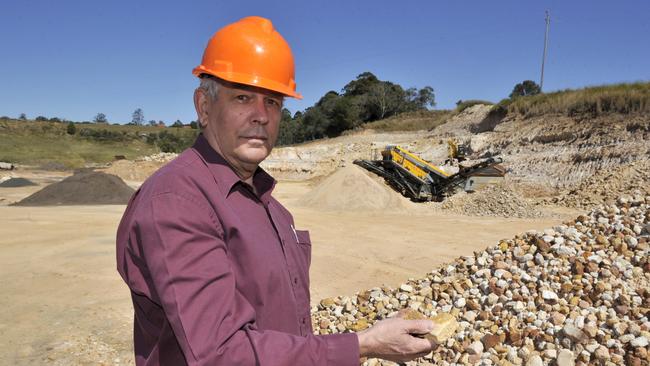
x=420 y=180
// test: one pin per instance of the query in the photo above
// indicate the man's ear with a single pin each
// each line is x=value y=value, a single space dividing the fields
x=201 y=103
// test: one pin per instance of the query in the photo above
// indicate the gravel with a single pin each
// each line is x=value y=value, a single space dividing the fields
x=575 y=294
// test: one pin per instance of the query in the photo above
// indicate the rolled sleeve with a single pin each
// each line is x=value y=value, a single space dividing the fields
x=182 y=244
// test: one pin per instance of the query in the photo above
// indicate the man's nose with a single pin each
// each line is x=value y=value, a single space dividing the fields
x=261 y=113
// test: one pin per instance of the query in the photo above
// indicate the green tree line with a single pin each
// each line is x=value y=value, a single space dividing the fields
x=362 y=100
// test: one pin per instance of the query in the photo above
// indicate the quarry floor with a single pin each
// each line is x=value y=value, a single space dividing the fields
x=63 y=302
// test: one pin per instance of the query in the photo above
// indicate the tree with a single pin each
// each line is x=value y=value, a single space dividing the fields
x=71 y=129
x=152 y=122
x=138 y=117
x=361 y=85
x=194 y=125
x=385 y=99
x=100 y=118
x=525 y=88
x=41 y=118
x=177 y=124
x=22 y=117
x=426 y=98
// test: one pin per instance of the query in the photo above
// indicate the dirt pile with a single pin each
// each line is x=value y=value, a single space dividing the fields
x=84 y=188
x=575 y=294
x=140 y=169
x=137 y=171
x=493 y=200
x=17 y=182
x=352 y=188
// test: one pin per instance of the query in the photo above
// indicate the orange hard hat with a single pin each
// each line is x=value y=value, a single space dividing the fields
x=250 y=52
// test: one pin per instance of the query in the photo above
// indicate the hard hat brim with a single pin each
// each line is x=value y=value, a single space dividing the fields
x=250 y=80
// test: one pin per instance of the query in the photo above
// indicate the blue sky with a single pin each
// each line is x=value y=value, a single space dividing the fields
x=73 y=59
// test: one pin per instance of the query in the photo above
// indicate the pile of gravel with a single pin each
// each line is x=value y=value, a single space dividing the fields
x=577 y=294
x=492 y=200
x=17 y=182
x=83 y=188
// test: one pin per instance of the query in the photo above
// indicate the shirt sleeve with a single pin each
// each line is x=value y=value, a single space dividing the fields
x=183 y=248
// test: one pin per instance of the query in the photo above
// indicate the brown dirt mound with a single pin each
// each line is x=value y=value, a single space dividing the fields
x=84 y=188
x=17 y=182
x=351 y=188
x=137 y=171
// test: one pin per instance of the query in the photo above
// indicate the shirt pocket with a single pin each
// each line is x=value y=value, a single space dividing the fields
x=303 y=242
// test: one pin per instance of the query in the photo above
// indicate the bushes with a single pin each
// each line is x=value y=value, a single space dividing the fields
x=105 y=135
x=71 y=129
x=172 y=141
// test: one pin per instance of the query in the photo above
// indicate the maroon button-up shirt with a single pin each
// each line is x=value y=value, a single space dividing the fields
x=218 y=274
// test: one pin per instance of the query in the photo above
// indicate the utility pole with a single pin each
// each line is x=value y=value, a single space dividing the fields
x=548 y=24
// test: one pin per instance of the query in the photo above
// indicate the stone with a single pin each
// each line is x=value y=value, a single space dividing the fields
x=549 y=295
x=490 y=340
x=565 y=358
x=639 y=342
x=575 y=334
x=557 y=318
x=535 y=360
x=327 y=302
x=602 y=353
x=470 y=316
x=406 y=288
x=475 y=348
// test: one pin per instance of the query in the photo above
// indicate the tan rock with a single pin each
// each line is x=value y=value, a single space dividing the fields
x=445 y=325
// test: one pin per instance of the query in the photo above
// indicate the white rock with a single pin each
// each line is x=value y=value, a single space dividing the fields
x=549 y=295
x=406 y=288
x=475 y=348
x=565 y=358
x=535 y=360
x=639 y=342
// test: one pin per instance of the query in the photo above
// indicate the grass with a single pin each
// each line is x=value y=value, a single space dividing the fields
x=410 y=121
x=47 y=144
x=470 y=103
x=591 y=101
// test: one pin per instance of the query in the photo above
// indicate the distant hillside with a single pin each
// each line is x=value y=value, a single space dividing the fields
x=57 y=146
x=589 y=102
x=410 y=121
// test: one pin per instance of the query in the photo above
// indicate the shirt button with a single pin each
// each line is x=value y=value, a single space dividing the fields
x=303 y=320
x=295 y=280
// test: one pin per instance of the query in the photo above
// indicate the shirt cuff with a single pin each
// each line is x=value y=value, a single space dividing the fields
x=342 y=349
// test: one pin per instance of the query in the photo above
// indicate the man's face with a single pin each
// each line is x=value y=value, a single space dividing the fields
x=243 y=123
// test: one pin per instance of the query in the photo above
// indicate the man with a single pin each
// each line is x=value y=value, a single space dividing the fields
x=218 y=273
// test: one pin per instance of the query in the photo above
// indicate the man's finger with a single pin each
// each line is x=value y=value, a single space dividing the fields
x=401 y=313
x=418 y=326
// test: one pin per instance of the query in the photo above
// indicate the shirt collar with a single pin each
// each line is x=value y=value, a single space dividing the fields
x=225 y=175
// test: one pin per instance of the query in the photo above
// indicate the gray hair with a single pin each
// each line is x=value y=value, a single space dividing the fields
x=210 y=86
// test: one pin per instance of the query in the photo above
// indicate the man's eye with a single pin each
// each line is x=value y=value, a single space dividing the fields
x=273 y=102
x=243 y=98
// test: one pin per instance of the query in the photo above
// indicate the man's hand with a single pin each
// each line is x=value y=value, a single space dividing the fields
x=395 y=339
